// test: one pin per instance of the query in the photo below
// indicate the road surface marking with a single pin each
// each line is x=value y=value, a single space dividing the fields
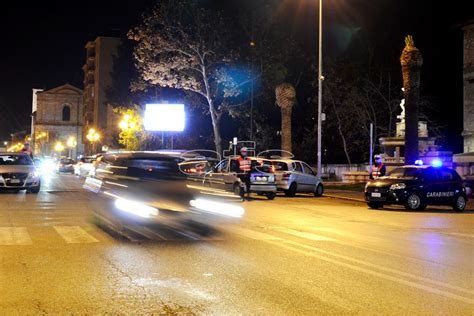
x=74 y=235
x=313 y=252
x=14 y=236
x=253 y=234
x=305 y=235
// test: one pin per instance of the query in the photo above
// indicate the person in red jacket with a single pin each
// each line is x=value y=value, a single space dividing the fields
x=378 y=169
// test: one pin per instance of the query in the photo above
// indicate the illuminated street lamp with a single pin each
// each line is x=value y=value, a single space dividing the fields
x=127 y=123
x=93 y=136
x=71 y=143
x=59 y=147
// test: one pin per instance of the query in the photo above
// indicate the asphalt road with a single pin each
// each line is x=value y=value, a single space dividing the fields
x=290 y=256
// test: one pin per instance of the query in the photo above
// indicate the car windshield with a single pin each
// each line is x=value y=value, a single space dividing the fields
x=405 y=173
x=66 y=161
x=22 y=160
x=262 y=165
x=280 y=166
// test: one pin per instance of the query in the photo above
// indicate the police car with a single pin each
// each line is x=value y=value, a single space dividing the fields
x=416 y=186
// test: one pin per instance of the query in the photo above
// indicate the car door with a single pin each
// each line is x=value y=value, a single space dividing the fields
x=230 y=173
x=215 y=178
x=299 y=177
x=448 y=183
x=431 y=186
x=309 y=178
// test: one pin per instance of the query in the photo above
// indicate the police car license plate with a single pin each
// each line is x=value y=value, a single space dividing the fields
x=376 y=194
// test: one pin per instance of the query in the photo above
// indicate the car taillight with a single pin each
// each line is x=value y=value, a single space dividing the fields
x=285 y=175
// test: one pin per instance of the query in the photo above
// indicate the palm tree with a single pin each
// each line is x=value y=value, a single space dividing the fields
x=411 y=61
x=285 y=99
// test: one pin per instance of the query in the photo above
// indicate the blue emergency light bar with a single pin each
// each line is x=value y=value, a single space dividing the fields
x=436 y=163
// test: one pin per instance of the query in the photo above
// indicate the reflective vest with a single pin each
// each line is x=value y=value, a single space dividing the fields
x=245 y=164
x=376 y=171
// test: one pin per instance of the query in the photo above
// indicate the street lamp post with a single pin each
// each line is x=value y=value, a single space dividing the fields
x=320 y=83
x=93 y=137
x=127 y=125
x=252 y=45
x=71 y=143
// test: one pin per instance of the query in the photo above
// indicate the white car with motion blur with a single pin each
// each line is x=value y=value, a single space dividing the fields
x=295 y=176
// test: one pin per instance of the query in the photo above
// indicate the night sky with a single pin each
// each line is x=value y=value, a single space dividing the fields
x=43 y=45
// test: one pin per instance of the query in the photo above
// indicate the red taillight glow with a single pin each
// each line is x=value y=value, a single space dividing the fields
x=285 y=176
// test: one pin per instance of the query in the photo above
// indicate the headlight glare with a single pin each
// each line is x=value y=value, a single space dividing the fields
x=34 y=174
x=136 y=208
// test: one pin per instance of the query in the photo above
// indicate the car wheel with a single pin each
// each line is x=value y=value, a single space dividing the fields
x=459 y=203
x=291 y=191
x=236 y=189
x=35 y=189
x=271 y=196
x=414 y=202
x=374 y=205
x=319 y=190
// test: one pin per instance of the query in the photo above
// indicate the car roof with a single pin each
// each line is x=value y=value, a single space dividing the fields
x=416 y=166
x=180 y=154
x=250 y=157
x=286 y=160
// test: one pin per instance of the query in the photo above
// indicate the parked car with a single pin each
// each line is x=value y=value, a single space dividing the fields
x=84 y=166
x=295 y=176
x=65 y=165
x=224 y=177
x=415 y=187
x=18 y=172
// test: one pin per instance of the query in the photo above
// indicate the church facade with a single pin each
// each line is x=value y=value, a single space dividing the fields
x=58 y=122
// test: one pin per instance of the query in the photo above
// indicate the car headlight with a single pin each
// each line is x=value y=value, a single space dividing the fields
x=33 y=175
x=398 y=186
x=366 y=186
x=136 y=208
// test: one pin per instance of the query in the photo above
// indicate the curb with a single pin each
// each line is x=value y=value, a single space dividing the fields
x=344 y=198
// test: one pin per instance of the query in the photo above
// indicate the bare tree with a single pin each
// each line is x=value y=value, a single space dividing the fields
x=180 y=45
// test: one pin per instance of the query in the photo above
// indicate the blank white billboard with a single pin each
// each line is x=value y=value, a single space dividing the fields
x=164 y=117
